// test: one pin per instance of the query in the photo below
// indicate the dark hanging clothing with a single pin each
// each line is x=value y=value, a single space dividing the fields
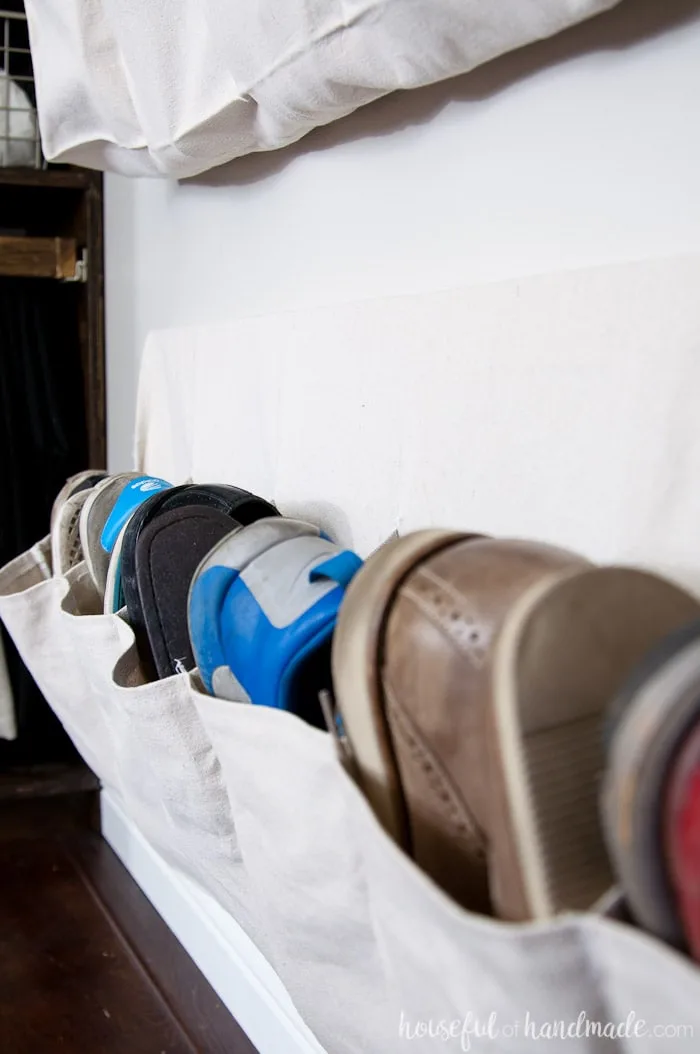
x=42 y=441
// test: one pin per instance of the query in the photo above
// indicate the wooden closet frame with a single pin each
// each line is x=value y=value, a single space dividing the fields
x=75 y=252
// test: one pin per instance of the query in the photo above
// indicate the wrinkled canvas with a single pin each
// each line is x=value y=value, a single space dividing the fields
x=174 y=87
x=255 y=805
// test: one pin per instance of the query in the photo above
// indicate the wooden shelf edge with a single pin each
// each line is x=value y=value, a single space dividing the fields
x=46 y=781
x=67 y=178
x=30 y=257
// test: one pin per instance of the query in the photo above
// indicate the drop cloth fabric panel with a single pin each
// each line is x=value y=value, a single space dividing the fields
x=293 y=810
x=144 y=740
x=170 y=399
x=497 y=986
x=175 y=87
x=254 y=805
x=559 y=407
x=36 y=609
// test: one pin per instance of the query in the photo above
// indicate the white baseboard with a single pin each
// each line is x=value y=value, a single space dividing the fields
x=240 y=975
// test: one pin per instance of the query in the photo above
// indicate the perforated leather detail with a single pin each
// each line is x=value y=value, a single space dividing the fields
x=446 y=797
x=448 y=609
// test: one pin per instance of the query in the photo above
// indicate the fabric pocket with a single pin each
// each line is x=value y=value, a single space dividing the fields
x=289 y=801
x=32 y=608
x=466 y=982
x=171 y=781
x=255 y=806
x=377 y=958
x=166 y=771
x=145 y=740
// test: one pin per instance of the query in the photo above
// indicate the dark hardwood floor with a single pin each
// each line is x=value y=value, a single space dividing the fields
x=87 y=966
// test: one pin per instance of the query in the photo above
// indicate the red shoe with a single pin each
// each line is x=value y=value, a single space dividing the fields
x=654 y=711
x=681 y=834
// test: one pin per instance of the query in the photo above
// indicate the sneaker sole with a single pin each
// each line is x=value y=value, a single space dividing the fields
x=85 y=480
x=94 y=514
x=66 y=549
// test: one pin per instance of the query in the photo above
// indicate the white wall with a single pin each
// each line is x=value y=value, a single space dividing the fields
x=578 y=151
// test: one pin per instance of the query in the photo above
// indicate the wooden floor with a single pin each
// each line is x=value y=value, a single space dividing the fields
x=86 y=964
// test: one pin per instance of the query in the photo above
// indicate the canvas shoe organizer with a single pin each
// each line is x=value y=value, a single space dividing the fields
x=254 y=805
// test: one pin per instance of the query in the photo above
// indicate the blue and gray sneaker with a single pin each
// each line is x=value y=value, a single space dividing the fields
x=131 y=497
x=108 y=506
x=262 y=609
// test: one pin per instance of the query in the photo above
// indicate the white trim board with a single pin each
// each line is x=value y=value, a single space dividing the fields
x=240 y=975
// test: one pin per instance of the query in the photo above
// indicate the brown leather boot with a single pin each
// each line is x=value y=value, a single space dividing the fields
x=413 y=665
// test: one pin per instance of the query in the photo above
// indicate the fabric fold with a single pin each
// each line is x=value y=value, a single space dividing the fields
x=176 y=87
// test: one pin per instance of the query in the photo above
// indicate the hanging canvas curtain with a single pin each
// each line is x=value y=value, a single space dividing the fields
x=174 y=87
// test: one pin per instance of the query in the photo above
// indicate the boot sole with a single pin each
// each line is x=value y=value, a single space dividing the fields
x=564 y=652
